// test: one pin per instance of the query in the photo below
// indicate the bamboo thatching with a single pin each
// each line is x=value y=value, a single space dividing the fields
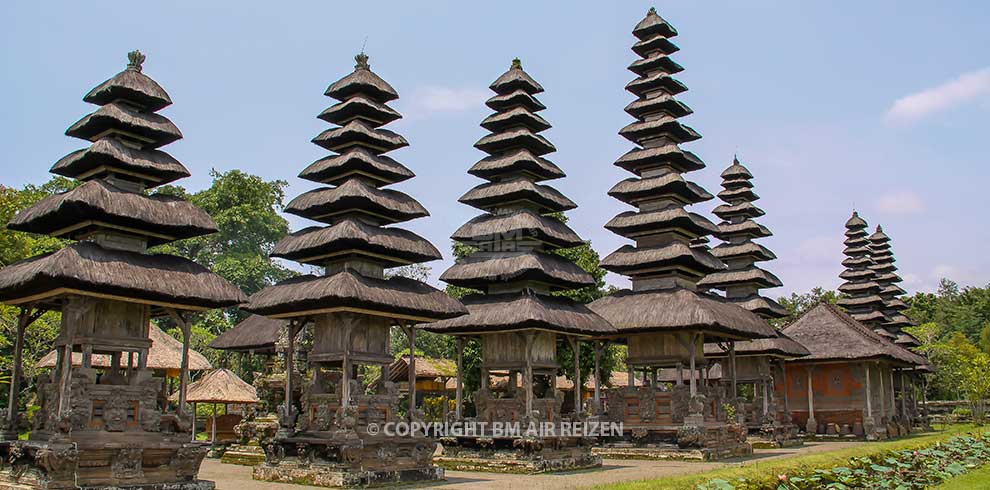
x=679 y=309
x=88 y=267
x=100 y=201
x=255 y=333
x=348 y=289
x=219 y=386
x=525 y=310
x=108 y=153
x=164 y=354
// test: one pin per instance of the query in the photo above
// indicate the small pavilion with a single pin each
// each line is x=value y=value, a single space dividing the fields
x=221 y=387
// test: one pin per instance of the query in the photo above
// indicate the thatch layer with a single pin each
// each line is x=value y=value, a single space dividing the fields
x=520 y=224
x=88 y=267
x=313 y=245
x=831 y=334
x=220 y=386
x=254 y=333
x=672 y=185
x=667 y=126
x=631 y=224
x=356 y=161
x=362 y=81
x=348 y=289
x=133 y=86
x=154 y=129
x=641 y=108
x=638 y=160
x=746 y=275
x=515 y=79
x=360 y=132
x=780 y=346
x=101 y=202
x=499 y=194
x=503 y=102
x=357 y=107
x=679 y=309
x=518 y=161
x=109 y=154
x=520 y=311
x=325 y=203
x=481 y=269
x=430 y=368
x=164 y=354
x=631 y=260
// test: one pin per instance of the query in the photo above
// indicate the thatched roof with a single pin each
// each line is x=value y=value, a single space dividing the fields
x=779 y=346
x=744 y=209
x=642 y=108
x=631 y=260
x=665 y=126
x=644 y=85
x=498 y=194
x=748 y=228
x=746 y=275
x=358 y=131
x=653 y=25
x=100 y=203
x=678 y=309
x=831 y=334
x=480 y=269
x=657 y=42
x=356 y=195
x=355 y=161
x=519 y=161
x=88 y=267
x=633 y=190
x=515 y=98
x=765 y=307
x=745 y=249
x=655 y=61
x=515 y=225
x=631 y=224
x=110 y=154
x=165 y=354
x=501 y=122
x=315 y=245
x=638 y=160
x=348 y=289
x=219 y=386
x=131 y=85
x=357 y=106
x=523 y=310
x=426 y=368
x=515 y=79
x=362 y=81
x=515 y=138
x=254 y=333
x=155 y=129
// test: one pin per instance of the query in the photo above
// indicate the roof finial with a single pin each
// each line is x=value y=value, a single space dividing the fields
x=735 y=159
x=362 y=61
x=879 y=229
x=653 y=11
x=134 y=60
x=516 y=64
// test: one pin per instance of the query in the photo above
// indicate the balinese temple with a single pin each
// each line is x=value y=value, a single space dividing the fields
x=665 y=318
x=885 y=275
x=353 y=305
x=103 y=426
x=515 y=314
x=860 y=291
x=759 y=363
x=846 y=386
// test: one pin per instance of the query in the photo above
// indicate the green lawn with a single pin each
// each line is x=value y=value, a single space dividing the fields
x=978 y=479
x=758 y=470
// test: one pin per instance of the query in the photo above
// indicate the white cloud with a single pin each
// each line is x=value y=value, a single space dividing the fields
x=916 y=106
x=435 y=100
x=901 y=203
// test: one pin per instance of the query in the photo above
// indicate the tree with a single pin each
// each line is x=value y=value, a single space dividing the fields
x=796 y=304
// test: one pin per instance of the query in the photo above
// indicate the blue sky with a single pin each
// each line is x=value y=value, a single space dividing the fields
x=881 y=106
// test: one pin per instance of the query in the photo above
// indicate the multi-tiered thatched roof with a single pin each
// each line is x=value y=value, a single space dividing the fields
x=886 y=276
x=860 y=289
x=514 y=265
x=743 y=279
x=355 y=244
x=663 y=265
x=256 y=334
x=111 y=215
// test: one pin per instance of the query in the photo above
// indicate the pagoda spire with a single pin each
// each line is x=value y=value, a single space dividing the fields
x=885 y=275
x=860 y=289
x=743 y=280
x=514 y=241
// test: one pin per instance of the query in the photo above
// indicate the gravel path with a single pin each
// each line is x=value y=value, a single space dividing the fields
x=234 y=477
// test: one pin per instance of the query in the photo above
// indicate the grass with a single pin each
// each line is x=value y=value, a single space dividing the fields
x=978 y=479
x=767 y=470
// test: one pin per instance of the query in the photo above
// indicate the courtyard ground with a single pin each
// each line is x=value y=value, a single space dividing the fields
x=234 y=477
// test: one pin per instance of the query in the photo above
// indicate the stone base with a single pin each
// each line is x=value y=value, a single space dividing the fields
x=670 y=452
x=27 y=482
x=761 y=443
x=334 y=476
x=515 y=455
x=243 y=454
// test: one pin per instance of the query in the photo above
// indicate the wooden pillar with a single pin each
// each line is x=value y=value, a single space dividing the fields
x=783 y=374
x=631 y=375
x=883 y=395
x=143 y=359
x=411 y=334
x=345 y=367
x=693 y=368
x=290 y=367
x=87 y=356
x=528 y=379
x=732 y=368
x=184 y=369
x=766 y=396
x=459 y=410
x=869 y=392
x=213 y=431
x=576 y=348
x=193 y=437
x=893 y=394
x=598 y=375
x=26 y=318
x=680 y=373
x=811 y=403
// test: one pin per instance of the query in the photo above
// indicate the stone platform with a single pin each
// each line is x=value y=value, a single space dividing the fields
x=243 y=454
x=517 y=455
x=331 y=475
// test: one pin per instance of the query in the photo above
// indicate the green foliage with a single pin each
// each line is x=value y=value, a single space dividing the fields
x=796 y=304
x=953 y=309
